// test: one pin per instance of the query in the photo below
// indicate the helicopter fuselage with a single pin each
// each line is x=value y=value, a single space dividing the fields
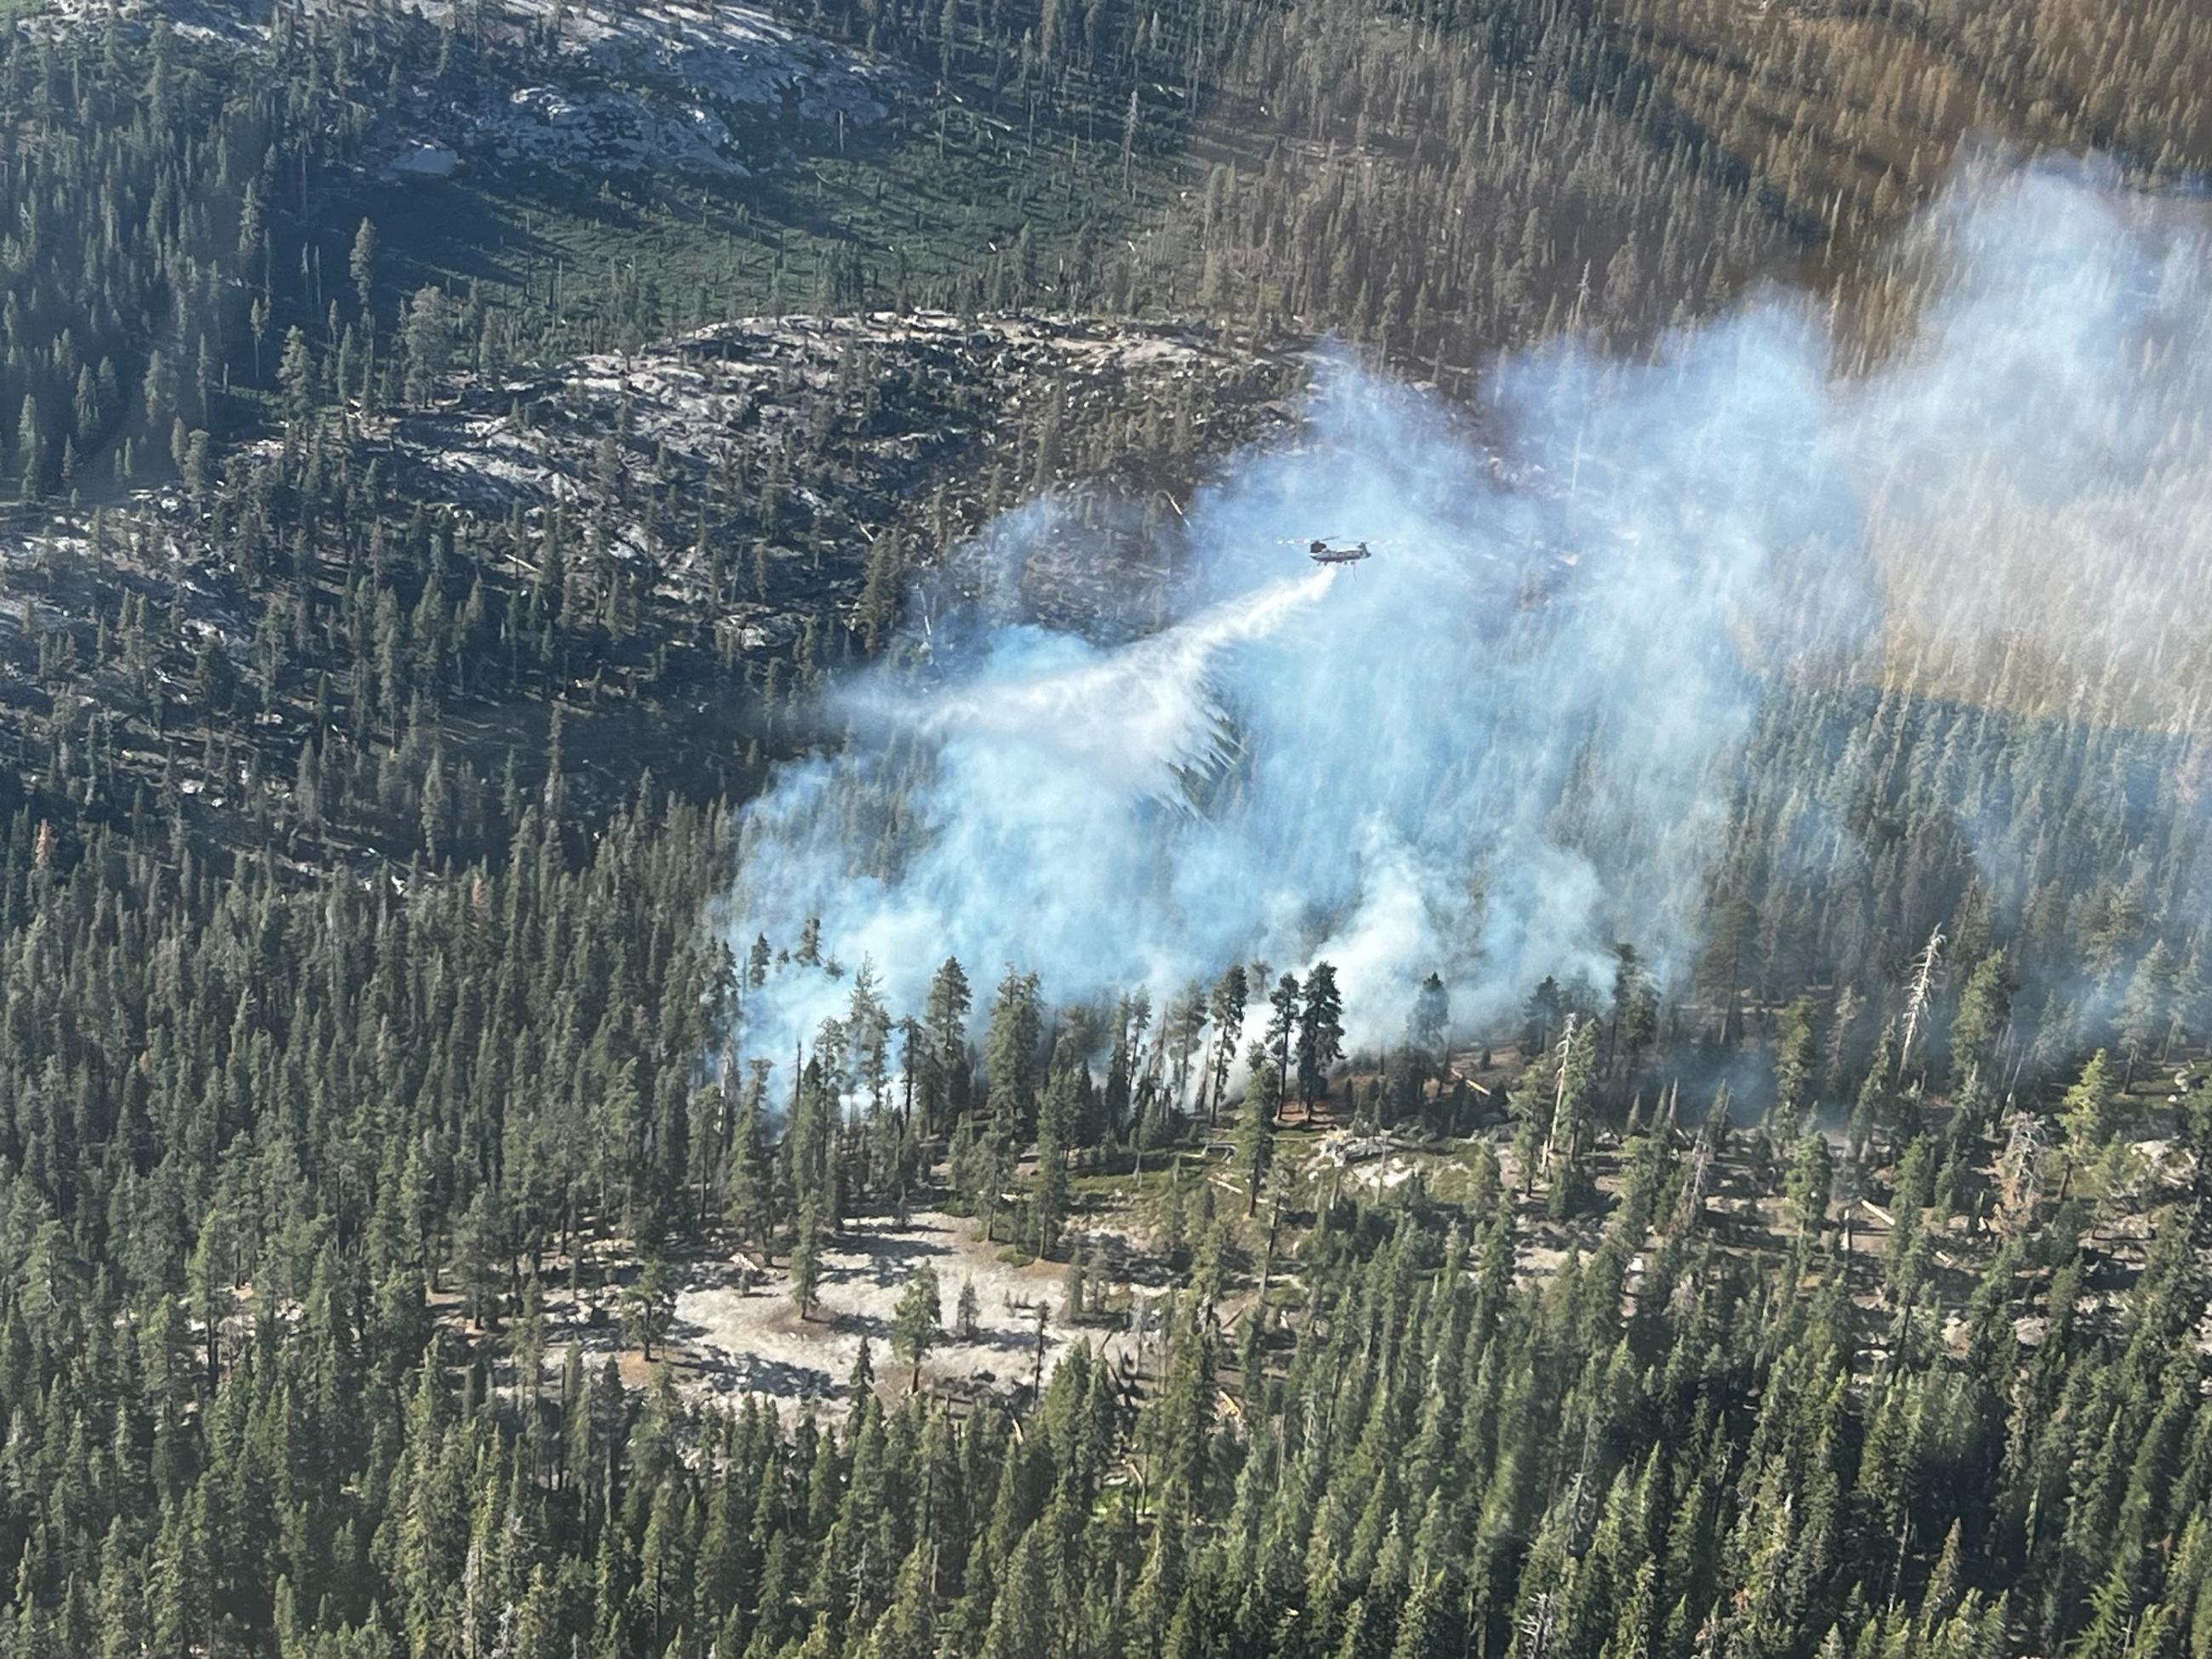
x=1322 y=553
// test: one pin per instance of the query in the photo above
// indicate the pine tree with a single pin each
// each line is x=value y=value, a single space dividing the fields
x=748 y=1207
x=1806 y=1189
x=1021 y=1619
x=360 y=265
x=2143 y=1013
x=1255 y=1129
x=646 y=1306
x=1426 y=1027
x=945 y=1078
x=806 y=1261
x=916 y=1319
x=1010 y=1053
x=2086 y=1114
x=1635 y=1006
x=1321 y=1032
x=296 y=378
x=1058 y=1118
x=1226 y=1013
x=1794 y=1057
x=1283 y=1006
x=1984 y=1011
x=860 y=1383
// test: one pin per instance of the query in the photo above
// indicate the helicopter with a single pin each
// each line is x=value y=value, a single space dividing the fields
x=1327 y=551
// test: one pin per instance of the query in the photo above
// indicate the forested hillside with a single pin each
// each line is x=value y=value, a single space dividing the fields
x=294 y=1176
x=487 y=490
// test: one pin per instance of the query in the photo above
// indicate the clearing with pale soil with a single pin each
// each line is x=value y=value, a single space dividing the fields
x=737 y=1331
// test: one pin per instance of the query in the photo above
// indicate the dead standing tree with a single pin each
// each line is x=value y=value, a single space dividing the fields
x=1927 y=976
x=2019 y=1173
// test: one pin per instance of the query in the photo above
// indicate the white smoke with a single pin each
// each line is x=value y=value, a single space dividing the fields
x=1507 y=740
x=1166 y=724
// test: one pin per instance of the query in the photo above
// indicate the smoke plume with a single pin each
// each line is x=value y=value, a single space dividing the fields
x=1507 y=740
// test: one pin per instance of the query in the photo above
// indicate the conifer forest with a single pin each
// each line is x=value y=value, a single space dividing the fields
x=1001 y=829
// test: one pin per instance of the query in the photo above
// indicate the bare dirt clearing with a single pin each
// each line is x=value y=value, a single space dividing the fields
x=726 y=1340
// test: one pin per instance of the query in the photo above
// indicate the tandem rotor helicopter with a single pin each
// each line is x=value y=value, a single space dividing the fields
x=1333 y=549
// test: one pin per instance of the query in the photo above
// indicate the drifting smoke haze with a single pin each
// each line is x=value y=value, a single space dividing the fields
x=1508 y=739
